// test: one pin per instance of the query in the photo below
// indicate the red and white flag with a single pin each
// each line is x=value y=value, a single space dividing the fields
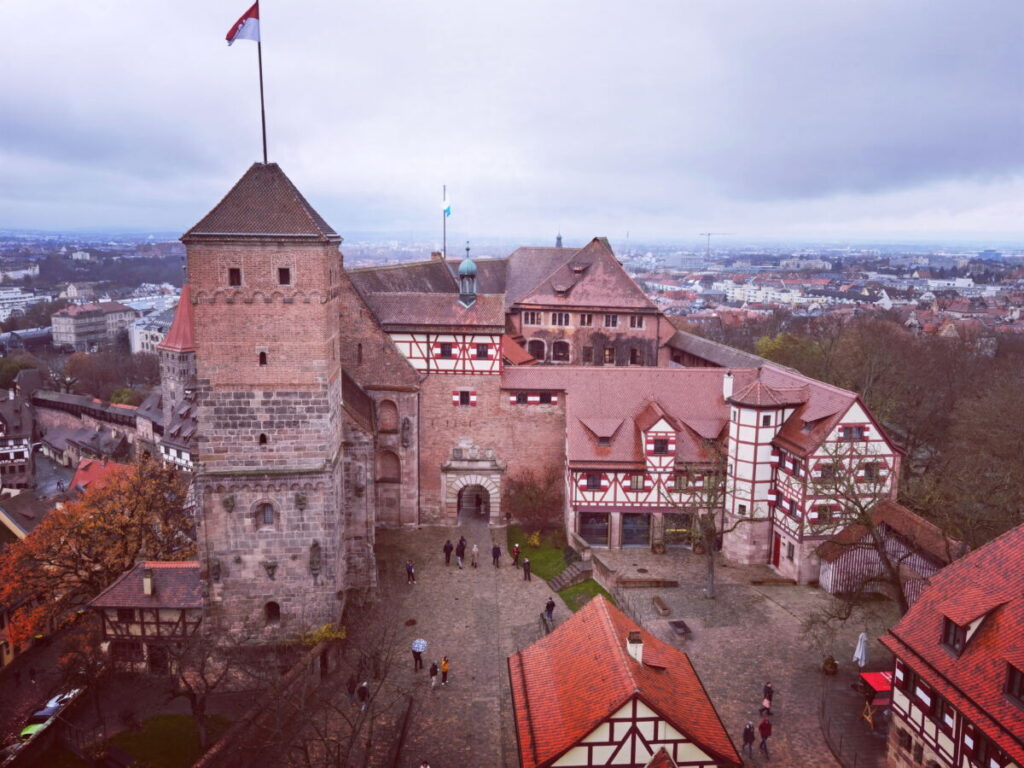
x=247 y=27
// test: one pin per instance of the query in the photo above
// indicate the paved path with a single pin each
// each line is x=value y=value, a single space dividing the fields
x=749 y=634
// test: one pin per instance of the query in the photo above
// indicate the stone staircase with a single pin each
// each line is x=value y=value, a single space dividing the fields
x=574 y=574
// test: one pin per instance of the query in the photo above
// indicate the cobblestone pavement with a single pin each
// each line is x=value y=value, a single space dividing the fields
x=478 y=617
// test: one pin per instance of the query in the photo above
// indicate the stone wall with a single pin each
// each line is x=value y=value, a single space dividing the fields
x=519 y=436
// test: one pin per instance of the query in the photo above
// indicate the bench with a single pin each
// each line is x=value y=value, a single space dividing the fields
x=659 y=605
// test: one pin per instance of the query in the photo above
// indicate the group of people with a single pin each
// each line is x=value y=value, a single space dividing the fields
x=764 y=728
x=474 y=558
x=442 y=667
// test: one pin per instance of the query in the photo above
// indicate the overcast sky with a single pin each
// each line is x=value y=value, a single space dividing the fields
x=765 y=118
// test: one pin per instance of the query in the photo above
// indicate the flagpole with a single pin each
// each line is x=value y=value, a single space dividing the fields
x=263 y=111
x=444 y=222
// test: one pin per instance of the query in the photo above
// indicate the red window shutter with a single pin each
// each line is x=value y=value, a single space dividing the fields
x=472 y=398
x=455 y=397
x=554 y=399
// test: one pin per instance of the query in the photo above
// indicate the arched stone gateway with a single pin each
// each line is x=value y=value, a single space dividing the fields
x=470 y=466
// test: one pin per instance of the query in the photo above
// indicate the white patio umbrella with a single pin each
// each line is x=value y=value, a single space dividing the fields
x=860 y=655
x=419 y=645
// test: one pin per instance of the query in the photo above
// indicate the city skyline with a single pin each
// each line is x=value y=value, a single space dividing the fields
x=799 y=122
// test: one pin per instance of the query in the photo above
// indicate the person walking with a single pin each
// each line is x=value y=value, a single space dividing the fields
x=447 y=549
x=417 y=660
x=410 y=572
x=445 y=666
x=433 y=674
x=496 y=555
x=526 y=569
x=363 y=695
x=515 y=555
x=765 y=729
x=474 y=556
x=549 y=608
x=748 y=738
x=767 y=694
x=353 y=683
x=460 y=553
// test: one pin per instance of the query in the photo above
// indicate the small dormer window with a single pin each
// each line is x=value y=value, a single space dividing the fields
x=1014 y=688
x=954 y=637
x=605 y=441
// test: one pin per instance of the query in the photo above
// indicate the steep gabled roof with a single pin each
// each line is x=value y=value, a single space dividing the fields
x=181 y=337
x=416 y=310
x=95 y=473
x=175 y=585
x=987 y=582
x=592 y=277
x=565 y=684
x=915 y=530
x=264 y=203
x=527 y=266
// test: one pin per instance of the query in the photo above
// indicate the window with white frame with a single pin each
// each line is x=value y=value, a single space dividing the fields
x=611 y=321
x=586 y=319
x=636 y=321
x=559 y=318
x=530 y=317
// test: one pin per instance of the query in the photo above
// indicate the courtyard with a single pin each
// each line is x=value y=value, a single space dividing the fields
x=477 y=617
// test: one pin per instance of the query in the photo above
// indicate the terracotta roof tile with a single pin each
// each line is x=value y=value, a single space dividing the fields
x=989 y=580
x=514 y=353
x=95 y=473
x=181 y=337
x=175 y=585
x=758 y=394
x=917 y=531
x=528 y=266
x=264 y=202
x=105 y=307
x=566 y=683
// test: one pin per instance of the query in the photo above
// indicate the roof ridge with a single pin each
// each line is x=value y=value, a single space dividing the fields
x=620 y=648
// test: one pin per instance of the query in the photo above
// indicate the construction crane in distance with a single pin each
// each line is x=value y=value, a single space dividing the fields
x=707 y=253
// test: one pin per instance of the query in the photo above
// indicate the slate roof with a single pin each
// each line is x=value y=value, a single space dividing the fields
x=989 y=581
x=94 y=473
x=432 y=276
x=181 y=431
x=263 y=203
x=181 y=337
x=918 y=532
x=17 y=417
x=416 y=310
x=150 y=409
x=565 y=684
x=175 y=585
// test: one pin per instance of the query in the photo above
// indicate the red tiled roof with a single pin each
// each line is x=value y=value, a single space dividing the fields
x=601 y=397
x=759 y=394
x=175 y=585
x=989 y=580
x=592 y=277
x=565 y=684
x=918 y=532
x=94 y=473
x=515 y=354
x=181 y=337
x=662 y=759
x=264 y=202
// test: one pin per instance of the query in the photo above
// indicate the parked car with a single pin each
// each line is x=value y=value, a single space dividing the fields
x=62 y=698
x=35 y=724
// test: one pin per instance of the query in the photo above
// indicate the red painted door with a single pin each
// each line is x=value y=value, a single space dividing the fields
x=776 y=549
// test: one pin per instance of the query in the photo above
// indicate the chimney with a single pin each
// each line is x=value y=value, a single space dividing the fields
x=436 y=256
x=635 y=647
x=727 y=385
x=147 y=581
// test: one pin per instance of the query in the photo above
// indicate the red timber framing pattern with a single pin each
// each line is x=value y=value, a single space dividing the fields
x=455 y=353
x=630 y=737
x=657 y=490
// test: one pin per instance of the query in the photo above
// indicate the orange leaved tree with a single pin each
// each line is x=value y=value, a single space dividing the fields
x=80 y=548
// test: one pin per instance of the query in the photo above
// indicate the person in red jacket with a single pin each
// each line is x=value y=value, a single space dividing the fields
x=765 y=729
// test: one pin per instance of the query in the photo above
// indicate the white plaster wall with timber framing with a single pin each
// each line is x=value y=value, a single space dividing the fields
x=451 y=352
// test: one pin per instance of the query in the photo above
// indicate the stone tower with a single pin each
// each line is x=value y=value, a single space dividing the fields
x=264 y=270
x=177 y=353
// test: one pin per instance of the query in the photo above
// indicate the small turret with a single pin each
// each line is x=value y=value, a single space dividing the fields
x=467 y=280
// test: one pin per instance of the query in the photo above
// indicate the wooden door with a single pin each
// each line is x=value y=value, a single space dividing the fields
x=776 y=549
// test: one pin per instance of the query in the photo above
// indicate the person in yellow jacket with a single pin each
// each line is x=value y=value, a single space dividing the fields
x=444 y=670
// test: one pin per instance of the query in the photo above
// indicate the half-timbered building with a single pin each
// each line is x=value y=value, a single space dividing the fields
x=147 y=612
x=958 y=681
x=601 y=691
